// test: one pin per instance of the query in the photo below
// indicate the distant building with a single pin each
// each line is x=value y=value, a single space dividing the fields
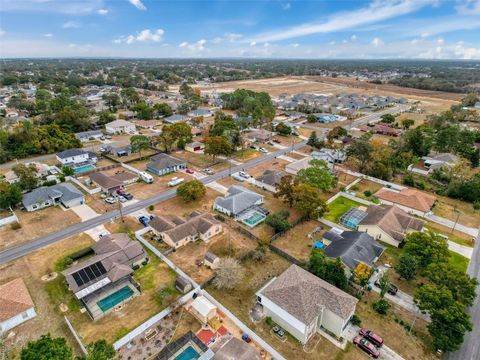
x=76 y=157
x=330 y=156
x=86 y=136
x=16 y=305
x=120 y=127
x=194 y=147
x=176 y=118
x=42 y=172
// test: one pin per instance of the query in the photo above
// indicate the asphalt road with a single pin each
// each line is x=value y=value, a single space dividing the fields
x=24 y=249
x=470 y=349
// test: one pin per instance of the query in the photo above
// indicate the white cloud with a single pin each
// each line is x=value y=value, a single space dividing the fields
x=102 y=11
x=344 y=41
x=332 y=43
x=253 y=43
x=71 y=25
x=72 y=45
x=377 y=42
x=195 y=47
x=146 y=35
x=295 y=45
x=353 y=37
x=74 y=7
x=232 y=37
x=48 y=35
x=138 y=4
x=468 y=7
x=2 y=32
x=286 y=6
x=377 y=11
x=440 y=41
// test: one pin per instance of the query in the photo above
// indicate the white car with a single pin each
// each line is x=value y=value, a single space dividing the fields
x=263 y=150
x=208 y=171
x=244 y=175
x=122 y=199
x=110 y=200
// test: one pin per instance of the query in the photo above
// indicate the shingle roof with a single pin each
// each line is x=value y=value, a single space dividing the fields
x=70 y=153
x=64 y=191
x=352 y=247
x=162 y=161
x=391 y=219
x=119 y=123
x=271 y=177
x=105 y=181
x=303 y=294
x=238 y=199
x=14 y=299
x=411 y=198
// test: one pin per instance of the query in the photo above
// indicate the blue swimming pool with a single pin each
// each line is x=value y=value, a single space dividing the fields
x=83 y=168
x=114 y=299
x=188 y=354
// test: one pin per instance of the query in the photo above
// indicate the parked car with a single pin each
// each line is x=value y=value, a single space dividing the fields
x=263 y=150
x=189 y=171
x=110 y=200
x=367 y=346
x=244 y=175
x=144 y=220
x=270 y=142
x=246 y=338
x=128 y=196
x=372 y=337
x=392 y=289
x=208 y=171
x=276 y=141
x=122 y=199
x=238 y=177
x=253 y=147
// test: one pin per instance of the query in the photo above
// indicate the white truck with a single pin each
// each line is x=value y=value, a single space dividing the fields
x=175 y=181
x=146 y=177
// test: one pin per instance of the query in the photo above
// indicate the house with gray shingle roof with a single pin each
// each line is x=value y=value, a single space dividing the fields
x=302 y=304
x=162 y=164
x=177 y=232
x=60 y=194
x=237 y=200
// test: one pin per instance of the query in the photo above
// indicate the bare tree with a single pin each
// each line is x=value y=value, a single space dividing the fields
x=229 y=273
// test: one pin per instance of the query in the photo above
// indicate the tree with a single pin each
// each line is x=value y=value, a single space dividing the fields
x=182 y=133
x=285 y=190
x=381 y=306
x=186 y=90
x=67 y=170
x=337 y=132
x=384 y=283
x=361 y=151
x=99 y=350
x=331 y=271
x=317 y=176
x=28 y=176
x=163 y=109
x=306 y=199
x=47 y=348
x=430 y=298
x=426 y=248
x=406 y=267
x=406 y=123
x=218 y=145
x=311 y=118
x=139 y=143
x=229 y=274
x=191 y=190
x=470 y=99
x=388 y=118
x=283 y=129
x=279 y=221
x=10 y=195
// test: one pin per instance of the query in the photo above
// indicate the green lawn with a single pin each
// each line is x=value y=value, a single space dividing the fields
x=452 y=237
x=338 y=207
x=458 y=261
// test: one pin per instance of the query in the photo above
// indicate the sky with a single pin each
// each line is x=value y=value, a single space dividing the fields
x=320 y=29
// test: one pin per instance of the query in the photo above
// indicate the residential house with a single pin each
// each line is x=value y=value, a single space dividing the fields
x=211 y=260
x=237 y=200
x=438 y=160
x=410 y=200
x=383 y=129
x=330 y=156
x=147 y=124
x=76 y=157
x=162 y=164
x=119 y=151
x=111 y=183
x=86 y=136
x=259 y=135
x=60 y=194
x=177 y=232
x=303 y=304
x=295 y=166
x=16 y=305
x=120 y=126
x=95 y=280
x=352 y=247
x=270 y=179
x=200 y=112
x=326 y=118
x=195 y=147
x=42 y=172
x=389 y=223
x=176 y=118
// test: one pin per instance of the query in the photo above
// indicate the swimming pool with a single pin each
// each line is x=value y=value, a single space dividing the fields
x=254 y=219
x=188 y=354
x=114 y=299
x=83 y=168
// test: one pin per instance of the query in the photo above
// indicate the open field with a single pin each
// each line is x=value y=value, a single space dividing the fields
x=366 y=185
x=451 y=208
x=177 y=206
x=274 y=164
x=296 y=242
x=31 y=268
x=35 y=224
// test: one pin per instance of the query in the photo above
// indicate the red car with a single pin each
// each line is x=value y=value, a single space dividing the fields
x=372 y=337
x=367 y=346
x=189 y=171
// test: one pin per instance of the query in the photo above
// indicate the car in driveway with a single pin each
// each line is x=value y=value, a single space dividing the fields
x=110 y=200
x=208 y=171
x=144 y=220
x=189 y=171
x=392 y=289
x=374 y=338
x=122 y=199
x=263 y=150
x=128 y=196
x=244 y=175
x=366 y=346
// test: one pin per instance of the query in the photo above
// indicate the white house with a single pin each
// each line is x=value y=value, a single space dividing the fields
x=330 y=156
x=120 y=127
x=16 y=305
x=302 y=304
x=237 y=200
x=76 y=156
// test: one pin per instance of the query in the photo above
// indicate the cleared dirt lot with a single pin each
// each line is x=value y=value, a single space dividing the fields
x=36 y=224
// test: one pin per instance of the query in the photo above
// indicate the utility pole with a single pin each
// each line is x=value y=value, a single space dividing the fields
x=456 y=220
x=121 y=212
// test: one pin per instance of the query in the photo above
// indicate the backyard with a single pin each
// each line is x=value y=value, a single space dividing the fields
x=338 y=207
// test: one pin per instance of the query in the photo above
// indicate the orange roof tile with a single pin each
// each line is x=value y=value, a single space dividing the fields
x=14 y=299
x=411 y=198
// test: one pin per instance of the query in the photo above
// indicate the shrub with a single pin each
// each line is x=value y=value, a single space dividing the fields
x=476 y=205
x=342 y=188
x=268 y=321
x=15 y=225
x=355 y=320
x=381 y=306
x=367 y=193
x=66 y=262
x=408 y=180
x=151 y=207
x=354 y=187
x=279 y=221
x=49 y=183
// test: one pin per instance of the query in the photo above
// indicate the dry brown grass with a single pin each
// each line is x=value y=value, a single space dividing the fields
x=36 y=224
x=177 y=206
x=447 y=207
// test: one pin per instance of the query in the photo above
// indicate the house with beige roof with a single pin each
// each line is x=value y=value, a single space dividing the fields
x=410 y=200
x=16 y=305
x=303 y=304
x=120 y=126
x=389 y=223
x=177 y=232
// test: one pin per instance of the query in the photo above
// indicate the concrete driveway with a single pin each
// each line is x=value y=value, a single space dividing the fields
x=85 y=212
x=386 y=353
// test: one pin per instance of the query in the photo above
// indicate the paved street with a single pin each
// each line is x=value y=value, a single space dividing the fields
x=41 y=242
x=376 y=116
x=470 y=349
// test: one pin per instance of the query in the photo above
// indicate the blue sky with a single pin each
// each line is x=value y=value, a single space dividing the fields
x=432 y=29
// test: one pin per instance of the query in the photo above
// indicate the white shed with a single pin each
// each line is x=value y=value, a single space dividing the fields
x=203 y=309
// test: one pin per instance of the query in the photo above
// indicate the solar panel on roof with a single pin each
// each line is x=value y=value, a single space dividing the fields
x=77 y=279
x=89 y=273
